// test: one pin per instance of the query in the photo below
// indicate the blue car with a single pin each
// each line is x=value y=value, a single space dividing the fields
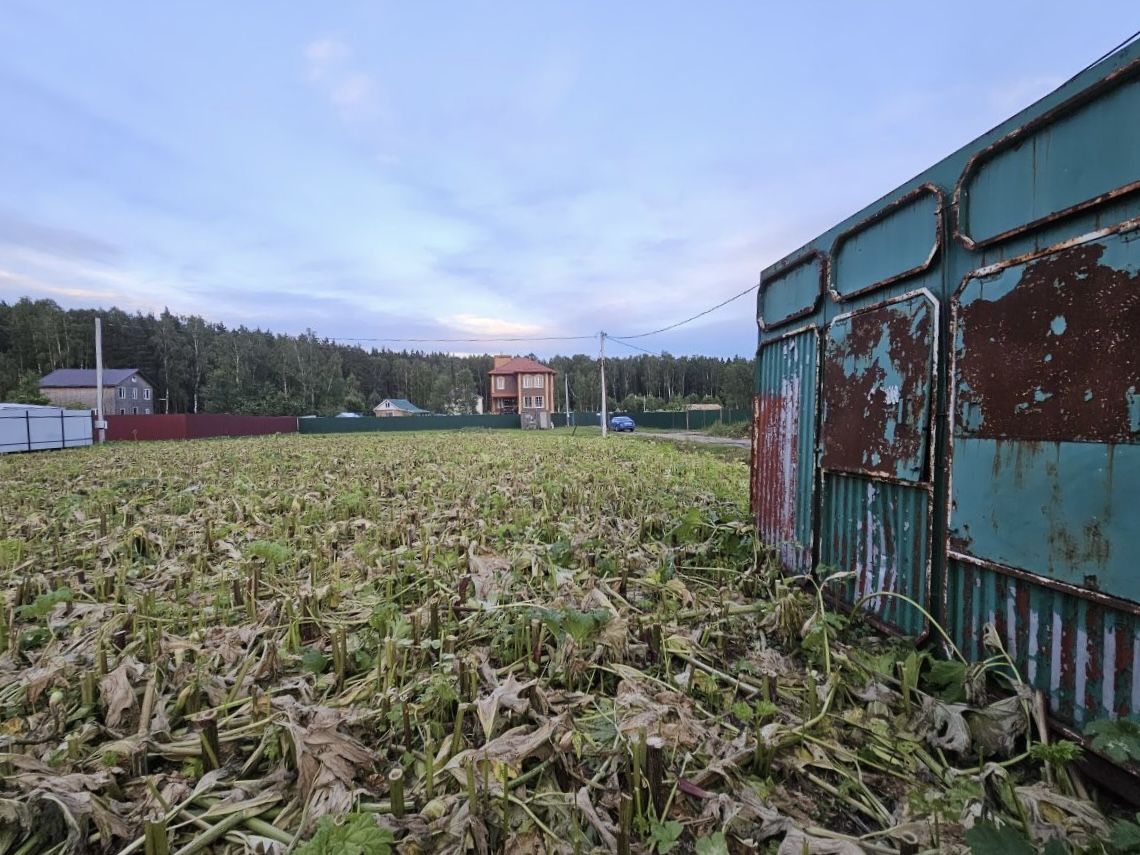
x=620 y=423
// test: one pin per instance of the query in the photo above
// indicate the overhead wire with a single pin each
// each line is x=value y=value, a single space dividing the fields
x=632 y=346
x=720 y=305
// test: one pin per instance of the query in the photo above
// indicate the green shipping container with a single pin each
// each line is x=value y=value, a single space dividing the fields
x=948 y=397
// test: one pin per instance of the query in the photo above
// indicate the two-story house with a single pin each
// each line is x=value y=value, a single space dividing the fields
x=125 y=392
x=521 y=385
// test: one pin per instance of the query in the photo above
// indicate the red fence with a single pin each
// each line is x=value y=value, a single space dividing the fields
x=199 y=426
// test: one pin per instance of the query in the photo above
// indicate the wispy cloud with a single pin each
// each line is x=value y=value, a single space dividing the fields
x=331 y=66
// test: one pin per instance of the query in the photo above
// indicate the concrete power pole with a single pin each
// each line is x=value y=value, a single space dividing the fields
x=100 y=422
x=566 y=389
x=602 y=362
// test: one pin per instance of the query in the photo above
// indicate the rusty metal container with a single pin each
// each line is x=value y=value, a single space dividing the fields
x=948 y=397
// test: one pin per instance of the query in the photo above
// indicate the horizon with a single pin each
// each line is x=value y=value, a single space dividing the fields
x=365 y=173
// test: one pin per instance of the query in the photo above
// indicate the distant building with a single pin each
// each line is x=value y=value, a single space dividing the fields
x=391 y=407
x=521 y=385
x=125 y=392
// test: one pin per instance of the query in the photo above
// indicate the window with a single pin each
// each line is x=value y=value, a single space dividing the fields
x=528 y=401
x=122 y=411
x=538 y=401
x=146 y=396
x=538 y=381
x=122 y=392
x=135 y=393
x=526 y=381
x=500 y=382
x=146 y=411
x=134 y=411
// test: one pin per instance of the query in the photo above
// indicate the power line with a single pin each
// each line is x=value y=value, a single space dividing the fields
x=1106 y=55
x=633 y=346
x=747 y=290
x=469 y=340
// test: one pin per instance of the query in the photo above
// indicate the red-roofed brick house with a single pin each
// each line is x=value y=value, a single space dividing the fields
x=521 y=385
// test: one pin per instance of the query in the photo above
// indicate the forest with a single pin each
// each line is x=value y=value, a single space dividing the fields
x=196 y=365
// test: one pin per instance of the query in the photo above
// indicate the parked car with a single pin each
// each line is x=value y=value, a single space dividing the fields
x=348 y=415
x=620 y=423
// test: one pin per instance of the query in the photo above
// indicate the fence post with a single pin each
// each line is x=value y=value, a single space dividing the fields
x=28 y=427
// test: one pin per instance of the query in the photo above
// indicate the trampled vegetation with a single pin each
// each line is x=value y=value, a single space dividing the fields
x=471 y=641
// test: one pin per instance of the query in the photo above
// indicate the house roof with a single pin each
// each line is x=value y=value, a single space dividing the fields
x=401 y=404
x=69 y=378
x=522 y=365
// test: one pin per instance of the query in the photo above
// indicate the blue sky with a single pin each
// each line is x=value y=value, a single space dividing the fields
x=430 y=169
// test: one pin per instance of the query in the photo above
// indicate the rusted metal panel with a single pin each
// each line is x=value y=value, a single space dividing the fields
x=783 y=442
x=877 y=389
x=898 y=241
x=1045 y=473
x=1047 y=349
x=1075 y=157
x=791 y=290
x=881 y=531
x=1083 y=653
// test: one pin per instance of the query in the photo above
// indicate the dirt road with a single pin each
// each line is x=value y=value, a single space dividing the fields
x=694 y=436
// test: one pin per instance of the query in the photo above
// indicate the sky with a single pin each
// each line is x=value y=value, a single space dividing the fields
x=374 y=170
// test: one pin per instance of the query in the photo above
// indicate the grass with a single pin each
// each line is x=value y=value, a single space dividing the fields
x=452 y=640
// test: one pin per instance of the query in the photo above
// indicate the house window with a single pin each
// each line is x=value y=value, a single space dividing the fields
x=146 y=396
x=526 y=381
x=146 y=411
x=122 y=411
x=538 y=401
x=528 y=401
x=122 y=392
x=134 y=411
x=500 y=382
x=135 y=393
x=538 y=381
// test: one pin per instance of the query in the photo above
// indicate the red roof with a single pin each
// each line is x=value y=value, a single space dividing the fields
x=522 y=365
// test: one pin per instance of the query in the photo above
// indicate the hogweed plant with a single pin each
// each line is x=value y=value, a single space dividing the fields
x=473 y=641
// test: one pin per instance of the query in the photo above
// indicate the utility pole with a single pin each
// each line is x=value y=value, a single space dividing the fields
x=100 y=423
x=566 y=387
x=602 y=363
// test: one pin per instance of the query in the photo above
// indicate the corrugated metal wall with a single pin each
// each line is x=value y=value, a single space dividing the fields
x=978 y=447
x=783 y=447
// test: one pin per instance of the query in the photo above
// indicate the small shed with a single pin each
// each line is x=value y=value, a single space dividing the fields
x=393 y=407
x=29 y=427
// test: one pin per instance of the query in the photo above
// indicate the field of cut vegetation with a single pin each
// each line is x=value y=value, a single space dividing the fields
x=472 y=642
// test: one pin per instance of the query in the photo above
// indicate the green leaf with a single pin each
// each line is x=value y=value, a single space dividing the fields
x=950 y=680
x=1125 y=836
x=985 y=838
x=1119 y=740
x=742 y=711
x=43 y=604
x=713 y=845
x=313 y=661
x=664 y=835
x=351 y=834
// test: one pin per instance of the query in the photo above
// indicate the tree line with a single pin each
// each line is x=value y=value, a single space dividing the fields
x=199 y=366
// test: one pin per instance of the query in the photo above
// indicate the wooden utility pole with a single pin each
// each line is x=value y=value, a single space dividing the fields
x=100 y=422
x=602 y=362
x=566 y=388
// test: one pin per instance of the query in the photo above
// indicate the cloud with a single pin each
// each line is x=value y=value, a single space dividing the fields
x=323 y=52
x=1012 y=96
x=332 y=69
x=489 y=327
x=18 y=232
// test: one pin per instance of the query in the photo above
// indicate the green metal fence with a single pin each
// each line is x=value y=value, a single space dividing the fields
x=370 y=424
x=664 y=420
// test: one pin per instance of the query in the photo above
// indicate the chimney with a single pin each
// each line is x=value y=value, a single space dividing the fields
x=501 y=360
